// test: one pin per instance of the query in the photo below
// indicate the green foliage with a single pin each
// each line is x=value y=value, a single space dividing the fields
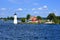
x=22 y=19
x=55 y=19
x=59 y=22
x=38 y=17
x=28 y=16
x=51 y=16
x=58 y=17
x=10 y=18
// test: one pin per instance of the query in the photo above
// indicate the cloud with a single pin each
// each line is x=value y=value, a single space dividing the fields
x=45 y=7
x=33 y=9
x=3 y=9
x=36 y=12
x=19 y=9
x=40 y=8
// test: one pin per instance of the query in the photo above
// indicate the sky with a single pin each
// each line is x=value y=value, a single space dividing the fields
x=33 y=7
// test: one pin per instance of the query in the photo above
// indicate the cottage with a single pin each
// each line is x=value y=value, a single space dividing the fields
x=33 y=19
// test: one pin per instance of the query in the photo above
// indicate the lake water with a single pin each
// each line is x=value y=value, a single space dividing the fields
x=9 y=31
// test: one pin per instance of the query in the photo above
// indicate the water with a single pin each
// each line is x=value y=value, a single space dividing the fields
x=9 y=31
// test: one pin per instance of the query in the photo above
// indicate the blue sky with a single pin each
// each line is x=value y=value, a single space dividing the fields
x=34 y=7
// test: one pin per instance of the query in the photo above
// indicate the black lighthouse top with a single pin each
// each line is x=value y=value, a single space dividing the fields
x=15 y=14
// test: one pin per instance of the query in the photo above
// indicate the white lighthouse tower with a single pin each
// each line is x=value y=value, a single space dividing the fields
x=15 y=18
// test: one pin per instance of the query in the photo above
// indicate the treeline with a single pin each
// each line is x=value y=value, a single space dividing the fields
x=54 y=18
x=50 y=17
x=10 y=18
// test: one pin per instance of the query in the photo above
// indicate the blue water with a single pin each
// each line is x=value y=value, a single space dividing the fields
x=9 y=31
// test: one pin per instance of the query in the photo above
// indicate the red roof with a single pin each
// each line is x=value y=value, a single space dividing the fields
x=34 y=19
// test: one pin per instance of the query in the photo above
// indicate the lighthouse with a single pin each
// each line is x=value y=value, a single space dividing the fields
x=15 y=18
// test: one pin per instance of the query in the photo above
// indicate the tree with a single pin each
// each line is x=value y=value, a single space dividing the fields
x=55 y=20
x=28 y=16
x=23 y=19
x=10 y=18
x=38 y=18
x=51 y=16
x=58 y=17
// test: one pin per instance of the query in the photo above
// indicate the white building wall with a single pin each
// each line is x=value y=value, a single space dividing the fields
x=15 y=19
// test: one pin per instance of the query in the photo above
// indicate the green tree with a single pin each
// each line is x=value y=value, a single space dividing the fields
x=51 y=16
x=23 y=19
x=28 y=16
x=8 y=18
x=38 y=18
x=11 y=18
x=58 y=17
x=54 y=18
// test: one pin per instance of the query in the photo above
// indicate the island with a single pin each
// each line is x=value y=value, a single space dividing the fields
x=50 y=19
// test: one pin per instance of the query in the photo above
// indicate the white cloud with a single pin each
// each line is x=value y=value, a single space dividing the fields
x=40 y=8
x=19 y=9
x=3 y=9
x=45 y=6
x=33 y=9
x=36 y=12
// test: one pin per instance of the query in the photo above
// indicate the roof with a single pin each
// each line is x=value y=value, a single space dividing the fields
x=15 y=14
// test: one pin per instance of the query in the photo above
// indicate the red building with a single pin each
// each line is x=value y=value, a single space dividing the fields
x=33 y=19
